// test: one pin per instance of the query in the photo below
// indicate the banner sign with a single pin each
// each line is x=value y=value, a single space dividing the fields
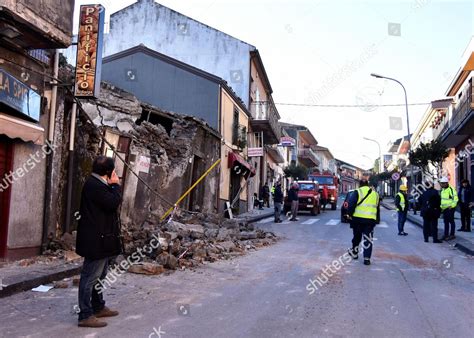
x=287 y=141
x=19 y=96
x=254 y=152
x=89 y=51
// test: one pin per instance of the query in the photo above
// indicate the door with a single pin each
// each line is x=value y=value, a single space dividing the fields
x=196 y=198
x=235 y=190
x=5 y=167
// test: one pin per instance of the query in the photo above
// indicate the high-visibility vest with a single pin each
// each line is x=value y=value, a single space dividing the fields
x=368 y=208
x=273 y=190
x=449 y=198
x=402 y=201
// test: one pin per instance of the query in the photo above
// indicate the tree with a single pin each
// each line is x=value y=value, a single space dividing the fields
x=297 y=172
x=429 y=154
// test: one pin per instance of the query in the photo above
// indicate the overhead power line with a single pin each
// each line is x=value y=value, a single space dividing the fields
x=350 y=105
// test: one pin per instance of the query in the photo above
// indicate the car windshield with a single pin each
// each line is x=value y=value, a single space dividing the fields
x=306 y=186
x=323 y=179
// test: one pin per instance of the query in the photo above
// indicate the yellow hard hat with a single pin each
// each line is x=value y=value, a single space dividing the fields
x=403 y=187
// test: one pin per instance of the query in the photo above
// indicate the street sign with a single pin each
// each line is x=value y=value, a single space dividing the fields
x=395 y=176
x=254 y=152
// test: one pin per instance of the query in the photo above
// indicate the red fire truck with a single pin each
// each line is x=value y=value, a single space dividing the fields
x=331 y=182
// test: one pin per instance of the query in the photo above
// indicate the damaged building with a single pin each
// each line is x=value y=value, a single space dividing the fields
x=169 y=152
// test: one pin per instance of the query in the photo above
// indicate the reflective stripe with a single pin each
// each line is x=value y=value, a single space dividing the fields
x=368 y=208
x=402 y=201
x=449 y=198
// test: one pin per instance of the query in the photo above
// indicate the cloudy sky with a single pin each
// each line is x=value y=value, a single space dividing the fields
x=321 y=52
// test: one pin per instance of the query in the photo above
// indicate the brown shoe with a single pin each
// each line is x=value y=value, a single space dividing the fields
x=91 y=321
x=106 y=312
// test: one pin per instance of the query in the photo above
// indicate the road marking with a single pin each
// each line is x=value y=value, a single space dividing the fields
x=310 y=221
x=382 y=225
x=266 y=220
x=333 y=222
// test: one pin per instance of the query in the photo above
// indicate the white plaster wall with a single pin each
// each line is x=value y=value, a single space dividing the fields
x=180 y=37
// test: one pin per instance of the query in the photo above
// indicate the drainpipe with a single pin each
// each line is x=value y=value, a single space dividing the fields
x=72 y=134
x=49 y=158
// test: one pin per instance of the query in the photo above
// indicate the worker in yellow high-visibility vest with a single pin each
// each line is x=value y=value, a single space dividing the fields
x=401 y=203
x=449 y=202
x=363 y=214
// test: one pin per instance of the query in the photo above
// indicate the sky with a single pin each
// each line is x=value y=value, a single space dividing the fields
x=322 y=52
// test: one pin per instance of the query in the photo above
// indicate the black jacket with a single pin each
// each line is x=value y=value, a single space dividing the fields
x=397 y=203
x=278 y=195
x=292 y=195
x=98 y=230
x=430 y=203
x=469 y=194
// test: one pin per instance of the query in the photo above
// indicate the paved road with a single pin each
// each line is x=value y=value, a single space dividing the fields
x=412 y=289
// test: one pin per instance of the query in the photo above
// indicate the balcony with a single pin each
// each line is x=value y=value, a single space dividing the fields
x=308 y=157
x=32 y=24
x=266 y=120
x=462 y=121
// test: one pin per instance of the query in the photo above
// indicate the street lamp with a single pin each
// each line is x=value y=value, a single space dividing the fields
x=380 y=153
x=378 y=76
x=380 y=160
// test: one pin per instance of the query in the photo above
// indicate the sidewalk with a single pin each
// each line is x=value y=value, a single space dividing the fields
x=464 y=240
x=29 y=273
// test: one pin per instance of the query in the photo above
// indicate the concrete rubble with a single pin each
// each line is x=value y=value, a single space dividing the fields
x=190 y=239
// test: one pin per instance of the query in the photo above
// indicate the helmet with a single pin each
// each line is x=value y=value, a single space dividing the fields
x=403 y=187
x=443 y=179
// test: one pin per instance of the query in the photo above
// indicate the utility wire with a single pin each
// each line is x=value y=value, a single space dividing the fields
x=345 y=105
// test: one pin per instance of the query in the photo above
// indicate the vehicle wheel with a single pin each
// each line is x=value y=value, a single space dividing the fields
x=334 y=206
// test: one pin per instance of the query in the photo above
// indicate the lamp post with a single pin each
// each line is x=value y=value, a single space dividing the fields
x=380 y=155
x=378 y=76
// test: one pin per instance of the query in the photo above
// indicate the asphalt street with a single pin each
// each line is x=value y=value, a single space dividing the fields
x=412 y=289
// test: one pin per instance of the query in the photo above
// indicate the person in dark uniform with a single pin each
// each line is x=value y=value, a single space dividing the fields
x=466 y=201
x=363 y=214
x=277 y=201
x=430 y=211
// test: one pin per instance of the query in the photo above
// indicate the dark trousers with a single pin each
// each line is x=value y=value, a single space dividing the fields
x=359 y=231
x=402 y=218
x=448 y=217
x=91 y=299
x=294 y=209
x=277 y=211
x=430 y=227
x=266 y=201
x=465 y=216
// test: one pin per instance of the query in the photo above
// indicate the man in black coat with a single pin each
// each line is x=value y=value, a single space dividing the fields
x=98 y=238
x=466 y=201
x=430 y=211
x=293 y=198
x=277 y=201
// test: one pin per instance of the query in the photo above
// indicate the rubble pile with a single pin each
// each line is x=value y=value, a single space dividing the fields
x=190 y=239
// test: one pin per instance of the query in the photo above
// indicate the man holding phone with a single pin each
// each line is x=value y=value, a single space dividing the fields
x=98 y=238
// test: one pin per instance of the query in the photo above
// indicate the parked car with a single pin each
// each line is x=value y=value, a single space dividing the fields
x=308 y=198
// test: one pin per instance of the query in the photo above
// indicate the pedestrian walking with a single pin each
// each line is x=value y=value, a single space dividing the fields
x=466 y=202
x=324 y=197
x=265 y=195
x=363 y=214
x=293 y=198
x=430 y=211
x=401 y=203
x=98 y=239
x=277 y=201
x=449 y=202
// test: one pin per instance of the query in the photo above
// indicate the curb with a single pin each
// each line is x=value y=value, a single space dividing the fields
x=253 y=219
x=28 y=281
x=461 y=244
